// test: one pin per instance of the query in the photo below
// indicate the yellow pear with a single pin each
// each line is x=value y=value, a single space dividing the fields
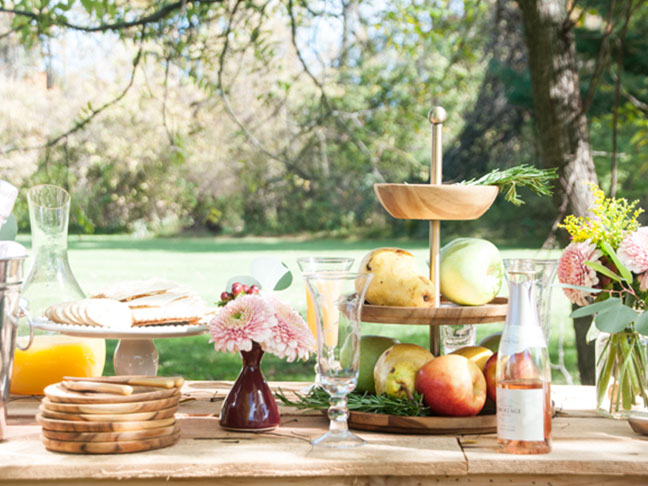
x=397 y=279
x=396 y=369
x=477 y=354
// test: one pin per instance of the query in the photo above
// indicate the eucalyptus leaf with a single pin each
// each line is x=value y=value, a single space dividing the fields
x=592 y=333
x=271 y=272
x=604 y=270
x=641 y=324
x=578 y=287
x=591 y=309
x=615 y=319
x=625 y=273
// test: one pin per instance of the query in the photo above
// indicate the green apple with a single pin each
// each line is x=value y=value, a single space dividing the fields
x=491 y=342
x=371 y=347
x=471 y=271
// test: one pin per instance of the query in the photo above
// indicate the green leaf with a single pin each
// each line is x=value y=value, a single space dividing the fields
x=615 y=319
x=591 y=309
x=625 y=273
x=604 y=270
x=271 y=272
x=592 y=332
x=641 y=324
x=578 y=287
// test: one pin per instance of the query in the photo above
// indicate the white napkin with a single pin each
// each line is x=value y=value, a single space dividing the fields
x=8 y=194
x=11 y=249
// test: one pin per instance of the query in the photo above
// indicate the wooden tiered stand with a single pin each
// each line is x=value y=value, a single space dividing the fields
x=436 y=202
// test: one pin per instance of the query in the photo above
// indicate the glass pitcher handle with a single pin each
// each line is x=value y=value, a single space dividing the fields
x=23 y=305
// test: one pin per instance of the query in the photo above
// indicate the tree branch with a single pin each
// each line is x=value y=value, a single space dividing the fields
x=156 y=16
x=598 y=67
x=93 y=113
x=617 y=92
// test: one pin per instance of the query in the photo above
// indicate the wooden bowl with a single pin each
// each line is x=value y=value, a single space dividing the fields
x=450 y=202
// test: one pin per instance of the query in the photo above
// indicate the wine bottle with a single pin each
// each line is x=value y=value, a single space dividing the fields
x=523 y=374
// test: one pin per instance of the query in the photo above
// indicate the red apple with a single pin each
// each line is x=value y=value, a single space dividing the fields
x=489 y=373
x=452 y=385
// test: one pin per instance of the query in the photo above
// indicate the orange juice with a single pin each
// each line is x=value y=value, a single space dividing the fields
x=51 y=357
x=330 y=293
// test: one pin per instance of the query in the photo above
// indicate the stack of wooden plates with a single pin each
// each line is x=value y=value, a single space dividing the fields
x=105 y=422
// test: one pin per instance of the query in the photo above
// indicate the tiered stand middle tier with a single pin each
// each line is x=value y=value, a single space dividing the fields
x=436 y=202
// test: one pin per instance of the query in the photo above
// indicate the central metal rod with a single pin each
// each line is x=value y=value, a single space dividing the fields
x=437 y=117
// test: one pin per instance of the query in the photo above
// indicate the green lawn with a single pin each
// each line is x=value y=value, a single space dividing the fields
x=206 y=264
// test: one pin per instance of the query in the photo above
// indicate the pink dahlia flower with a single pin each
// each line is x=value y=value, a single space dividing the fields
x=290 y=337
x=633 y=250
x=573 y=271
x=243 y=320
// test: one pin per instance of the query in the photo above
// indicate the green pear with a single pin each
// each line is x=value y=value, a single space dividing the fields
x=491 y=342
x=371 y=347
x=396 y=369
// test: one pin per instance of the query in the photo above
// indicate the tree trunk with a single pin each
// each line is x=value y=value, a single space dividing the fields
x=562 y=126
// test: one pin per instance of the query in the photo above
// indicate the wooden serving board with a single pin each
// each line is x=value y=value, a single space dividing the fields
x=112 y=408
x=110 y=436
x=78 y=426
x=120 y=417
x=58 y=393
x=479 y=424
x=119 y=447
x=447 y=313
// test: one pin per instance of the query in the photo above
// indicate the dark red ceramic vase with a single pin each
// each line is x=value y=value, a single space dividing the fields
x=250 y=406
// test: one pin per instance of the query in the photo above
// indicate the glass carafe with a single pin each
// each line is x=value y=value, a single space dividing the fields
x=523 y=374
x=50 y=280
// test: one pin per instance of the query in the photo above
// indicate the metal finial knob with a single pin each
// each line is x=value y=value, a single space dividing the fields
x=437 y=115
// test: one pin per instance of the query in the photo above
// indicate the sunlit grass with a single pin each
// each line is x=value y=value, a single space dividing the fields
x=206 y=264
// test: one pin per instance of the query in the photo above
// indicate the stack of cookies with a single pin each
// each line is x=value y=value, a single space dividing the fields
x=110 y=415
x=134 y=303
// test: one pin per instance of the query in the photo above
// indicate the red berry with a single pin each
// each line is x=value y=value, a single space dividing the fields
x=237 y=288
x=246 y=289
x=225 y=296
x=254 y=289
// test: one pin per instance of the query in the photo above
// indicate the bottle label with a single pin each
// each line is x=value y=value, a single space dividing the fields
x=520 y=414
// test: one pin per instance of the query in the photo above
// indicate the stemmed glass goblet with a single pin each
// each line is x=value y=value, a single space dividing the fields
x=318 y=265
x=338 y=299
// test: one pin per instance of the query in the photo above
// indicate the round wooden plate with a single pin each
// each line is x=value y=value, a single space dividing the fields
x=77 y=426
x=112 y=408
x=110 y=436
x=119 y=447
x=120 y=417
x=447 y=313
x=57 y=393
x=479 y=424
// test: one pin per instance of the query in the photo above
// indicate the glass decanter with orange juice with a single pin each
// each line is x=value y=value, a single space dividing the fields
x=49 y=281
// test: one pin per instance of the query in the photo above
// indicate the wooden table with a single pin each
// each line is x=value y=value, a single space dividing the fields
x=587 y=450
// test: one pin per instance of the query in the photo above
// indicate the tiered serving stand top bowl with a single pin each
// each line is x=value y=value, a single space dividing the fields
x=436 y=202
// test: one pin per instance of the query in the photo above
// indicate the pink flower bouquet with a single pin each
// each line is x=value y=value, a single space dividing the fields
x=605 y=270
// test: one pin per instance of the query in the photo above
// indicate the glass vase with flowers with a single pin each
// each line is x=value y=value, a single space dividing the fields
x=605 y=271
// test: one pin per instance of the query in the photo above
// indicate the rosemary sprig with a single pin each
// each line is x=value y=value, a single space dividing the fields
x=318 y=399
x=520 y=176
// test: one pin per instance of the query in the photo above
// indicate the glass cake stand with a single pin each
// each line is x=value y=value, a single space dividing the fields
x=136 y=353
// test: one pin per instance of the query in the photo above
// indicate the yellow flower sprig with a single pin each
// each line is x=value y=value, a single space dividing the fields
x=612 y=219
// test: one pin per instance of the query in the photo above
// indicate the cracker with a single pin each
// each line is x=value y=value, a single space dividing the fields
x=108 y=313
x=133 y=289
